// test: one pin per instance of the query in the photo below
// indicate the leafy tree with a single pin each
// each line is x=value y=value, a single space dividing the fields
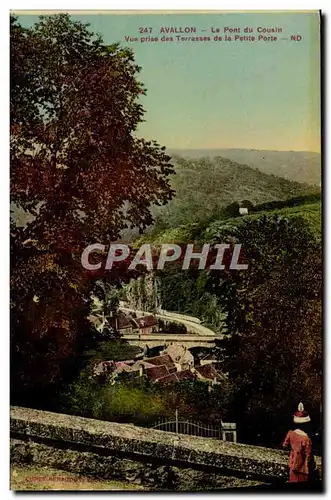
x=273 y=353
x=82 y=174
x=82 y=396
x=130 y=404
x=187 y=293
x=191 y=398
x=87 y=396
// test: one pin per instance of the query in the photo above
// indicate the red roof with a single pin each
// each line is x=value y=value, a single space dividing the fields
x=157 y=372
x=161 y=360
x=123 y=322
x=146 y=321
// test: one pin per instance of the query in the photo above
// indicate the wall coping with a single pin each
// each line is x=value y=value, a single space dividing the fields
x=148 y=444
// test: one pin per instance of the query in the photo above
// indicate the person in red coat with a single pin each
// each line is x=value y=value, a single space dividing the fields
x=301 y=460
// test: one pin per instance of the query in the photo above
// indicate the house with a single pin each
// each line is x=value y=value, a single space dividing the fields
x=125 y=324
x=124 y=366
x=147 y=324
x=154 y=368
x=243 y=211
x=165 y=360
x=161 y=368
x=181 y=356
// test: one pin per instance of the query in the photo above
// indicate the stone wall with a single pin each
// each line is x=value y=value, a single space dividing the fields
x=158 y=459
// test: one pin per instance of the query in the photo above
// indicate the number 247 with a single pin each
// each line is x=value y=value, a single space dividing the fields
x=145 y=30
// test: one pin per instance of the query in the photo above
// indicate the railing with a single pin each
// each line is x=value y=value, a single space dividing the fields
x=224 y=431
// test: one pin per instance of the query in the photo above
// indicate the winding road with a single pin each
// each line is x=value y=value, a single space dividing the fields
x=192 y=325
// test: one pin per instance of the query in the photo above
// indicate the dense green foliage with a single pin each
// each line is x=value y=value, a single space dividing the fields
x=291 y=202
x=186 y=293
x=311 y=213
x=273 y=349
x=203 y=231
x=87 y=396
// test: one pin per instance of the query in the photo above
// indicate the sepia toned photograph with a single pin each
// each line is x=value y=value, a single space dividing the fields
x=166 y=251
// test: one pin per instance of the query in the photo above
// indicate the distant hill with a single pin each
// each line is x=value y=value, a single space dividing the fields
x=204 y=186
x=299 y=166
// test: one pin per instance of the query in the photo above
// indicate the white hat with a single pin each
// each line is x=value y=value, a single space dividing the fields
x=301 y=416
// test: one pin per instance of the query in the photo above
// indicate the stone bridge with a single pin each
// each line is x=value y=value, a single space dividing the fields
x=197 y=335
x=156 y=339
x=157 y=459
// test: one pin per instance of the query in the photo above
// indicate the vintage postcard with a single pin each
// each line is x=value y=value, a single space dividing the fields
x=166 y=251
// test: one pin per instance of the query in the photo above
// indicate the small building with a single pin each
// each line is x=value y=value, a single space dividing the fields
x=243 y=211
x=165 y=360
x=125 y=324
x=147 y=325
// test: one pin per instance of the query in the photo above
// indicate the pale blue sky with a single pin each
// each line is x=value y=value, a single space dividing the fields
x=262 y=95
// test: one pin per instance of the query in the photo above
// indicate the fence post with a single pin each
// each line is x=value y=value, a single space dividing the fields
x=176 y=421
